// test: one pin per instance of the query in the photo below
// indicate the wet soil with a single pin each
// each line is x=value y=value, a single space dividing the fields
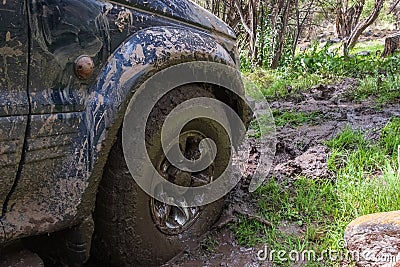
x=17 y=256
x=300 y=151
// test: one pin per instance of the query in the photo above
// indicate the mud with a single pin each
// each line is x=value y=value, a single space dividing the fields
x=19 y=257
x=300 y=151
x=227 y=253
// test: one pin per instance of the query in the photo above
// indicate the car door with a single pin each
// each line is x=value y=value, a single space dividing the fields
x=14 y=105
x=56 y=160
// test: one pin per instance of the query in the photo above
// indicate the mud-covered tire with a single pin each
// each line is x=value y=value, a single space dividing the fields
x=125 y=232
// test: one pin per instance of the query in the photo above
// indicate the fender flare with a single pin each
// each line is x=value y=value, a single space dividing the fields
x=137 y=59
x=142 y=55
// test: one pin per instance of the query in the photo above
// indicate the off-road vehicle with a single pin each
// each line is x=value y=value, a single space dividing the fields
x=68 y=70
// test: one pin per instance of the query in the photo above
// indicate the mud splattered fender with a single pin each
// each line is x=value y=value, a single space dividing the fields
x=63 y=196
x=185 y=11
x=144 y=54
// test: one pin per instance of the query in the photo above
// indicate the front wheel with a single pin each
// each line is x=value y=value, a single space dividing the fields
x=134 y=229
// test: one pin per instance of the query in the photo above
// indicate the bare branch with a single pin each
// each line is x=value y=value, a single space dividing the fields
x=240 y=11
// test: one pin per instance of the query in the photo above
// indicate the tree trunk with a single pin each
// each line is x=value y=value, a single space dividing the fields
x=262 y=37
x=253 y=29
x=395 y=9
x=300 y=22
x=250 y=27
x=347 y=18
x=280 y=41
x=392 y=43
x=360 y=28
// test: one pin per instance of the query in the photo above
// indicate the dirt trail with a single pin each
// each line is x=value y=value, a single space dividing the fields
x=300 y=150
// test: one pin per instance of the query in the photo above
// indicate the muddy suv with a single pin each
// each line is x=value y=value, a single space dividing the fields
x=68 y=70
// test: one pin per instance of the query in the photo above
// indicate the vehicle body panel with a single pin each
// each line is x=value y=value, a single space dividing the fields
x=73 y=123
x=184 y=11
x=14 y=105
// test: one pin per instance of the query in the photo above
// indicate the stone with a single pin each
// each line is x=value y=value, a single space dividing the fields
x=364 y=53
x=335 y=40
x=368 y=33
x=305 y=46
x=374 y=240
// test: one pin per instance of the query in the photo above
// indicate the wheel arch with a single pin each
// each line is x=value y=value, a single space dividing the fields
x=142 y=55
x=135 y=61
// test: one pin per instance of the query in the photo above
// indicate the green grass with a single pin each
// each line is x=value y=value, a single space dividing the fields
x=379 y=79
x=384 y=88
x=275 y=84
x=375 y=46
x=265 y=123
x=283 y=118
x=364 y=181
x=209 y=244
x=390 y=138
x=261 y=126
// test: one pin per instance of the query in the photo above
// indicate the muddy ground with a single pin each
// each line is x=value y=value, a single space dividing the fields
x=300 y=150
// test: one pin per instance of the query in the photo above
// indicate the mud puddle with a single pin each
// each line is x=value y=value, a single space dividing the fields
x=300 y=150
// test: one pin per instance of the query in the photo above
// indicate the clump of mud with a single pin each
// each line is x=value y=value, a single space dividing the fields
x=313 y=163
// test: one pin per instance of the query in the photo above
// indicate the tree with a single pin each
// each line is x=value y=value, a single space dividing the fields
x=280 y=25
x=347 y=17
x=249 y=23
x=355 y=34
x=395 y=9
x=270 y=30
x=392 y=43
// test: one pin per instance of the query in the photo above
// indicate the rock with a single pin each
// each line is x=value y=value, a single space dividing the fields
x=321 y=92
x=305 y=46
x=368 y=33
x=335 y=40
x=364 y=53
x=374 y=240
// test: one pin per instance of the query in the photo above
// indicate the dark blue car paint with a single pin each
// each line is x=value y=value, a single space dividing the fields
x=73 y=123
x=14 y=106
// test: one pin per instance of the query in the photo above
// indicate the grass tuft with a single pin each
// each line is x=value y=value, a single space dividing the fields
x=315 y=212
